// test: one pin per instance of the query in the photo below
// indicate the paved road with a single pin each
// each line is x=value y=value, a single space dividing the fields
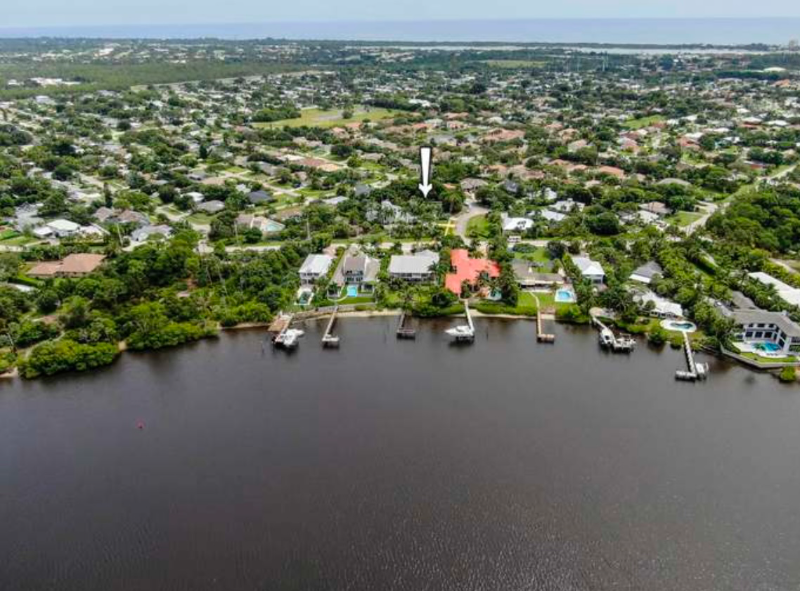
x=462 y=220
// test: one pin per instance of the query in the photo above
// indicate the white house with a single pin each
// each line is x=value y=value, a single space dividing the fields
x=516 y=224
x=757 y=327
x=63 y=228
x=314 y=267
x=591 y=270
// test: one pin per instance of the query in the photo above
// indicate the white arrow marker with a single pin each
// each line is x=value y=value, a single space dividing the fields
x=425 y=170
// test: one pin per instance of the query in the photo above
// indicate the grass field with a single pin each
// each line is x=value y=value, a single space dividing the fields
x=478 y=225
x=643 y=122
x=684 y=218
x=330 y=118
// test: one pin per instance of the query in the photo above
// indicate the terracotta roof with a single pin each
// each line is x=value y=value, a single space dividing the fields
x=467 y=269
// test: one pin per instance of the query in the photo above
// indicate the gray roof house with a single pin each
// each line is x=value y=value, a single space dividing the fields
x=646 y=272
x=414 y=267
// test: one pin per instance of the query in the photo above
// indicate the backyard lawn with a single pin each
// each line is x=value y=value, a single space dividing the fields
x=684 y=218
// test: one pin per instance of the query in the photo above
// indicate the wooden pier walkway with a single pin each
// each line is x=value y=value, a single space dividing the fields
x=697 y=371
x=329 y=340
x=544 y=334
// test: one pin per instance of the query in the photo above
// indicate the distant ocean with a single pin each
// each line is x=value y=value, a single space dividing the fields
x=776 y=31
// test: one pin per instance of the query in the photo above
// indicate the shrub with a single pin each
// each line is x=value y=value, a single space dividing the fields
x=66 y=355
x=788 y=374
x=657 y=336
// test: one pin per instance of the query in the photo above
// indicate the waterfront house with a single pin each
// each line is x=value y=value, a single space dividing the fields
x=591 y=270
x=416 y=268
x=530 y=277
x=774 y=331
x=469 y=270
x=355 y=269
x=314 y=267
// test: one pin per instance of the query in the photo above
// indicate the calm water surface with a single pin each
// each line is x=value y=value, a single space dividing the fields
x=507 y=465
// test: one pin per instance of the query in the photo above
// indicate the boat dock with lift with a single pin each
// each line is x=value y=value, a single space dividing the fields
x=697 y=371
x=285 y=336
x=608 y=340
x=464 y=333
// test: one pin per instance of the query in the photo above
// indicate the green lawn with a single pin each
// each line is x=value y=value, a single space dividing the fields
x=478 y=225
x=330 y=118
x=643 y=122
x=759 y=359
x=684 y=218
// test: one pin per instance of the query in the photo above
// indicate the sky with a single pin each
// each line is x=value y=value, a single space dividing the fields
x=40 y=13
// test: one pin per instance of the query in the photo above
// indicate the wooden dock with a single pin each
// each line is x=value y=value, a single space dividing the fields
x=280 y=324
x=329 y=340
x=403 y=331
x=544 y=335
x=697 y=371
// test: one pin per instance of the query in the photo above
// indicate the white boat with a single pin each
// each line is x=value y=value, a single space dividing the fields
x=461 y=333
x=606 y=338
x=288 y=339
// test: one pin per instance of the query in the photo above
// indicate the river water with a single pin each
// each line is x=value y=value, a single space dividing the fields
x=408 y=465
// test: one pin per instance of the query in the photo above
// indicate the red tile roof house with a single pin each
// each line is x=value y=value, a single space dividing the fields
x=467 y=269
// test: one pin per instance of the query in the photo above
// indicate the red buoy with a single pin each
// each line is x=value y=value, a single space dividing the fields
x=140 y=425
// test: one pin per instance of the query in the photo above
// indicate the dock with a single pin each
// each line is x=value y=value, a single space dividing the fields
x=280 y=324
x=284 y=336
x=403 y=331
x=329 y=340
x=696 y=371
x=544 y=335
x=608 y=340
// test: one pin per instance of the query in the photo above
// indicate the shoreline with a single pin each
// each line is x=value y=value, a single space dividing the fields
x=14 y=374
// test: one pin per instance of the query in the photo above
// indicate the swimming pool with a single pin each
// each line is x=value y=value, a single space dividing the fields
x=679 y=325
x=769 y=347
x=352 y=291
x=565 y=296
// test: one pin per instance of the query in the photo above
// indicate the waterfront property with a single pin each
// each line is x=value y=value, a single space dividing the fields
x=773 y=333
x=529 y=277
x=591 y=270
x=658 y=306
x=314 y=267
x=470 y=270
x=357 y=271
x=414 y=268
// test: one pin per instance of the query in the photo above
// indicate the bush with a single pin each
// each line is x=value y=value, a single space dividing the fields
x=571 y=314
x=676 y=341
x=66 y=355
x=788 y=374
x=658 y=336
x=170 y=335
x=7 y=361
